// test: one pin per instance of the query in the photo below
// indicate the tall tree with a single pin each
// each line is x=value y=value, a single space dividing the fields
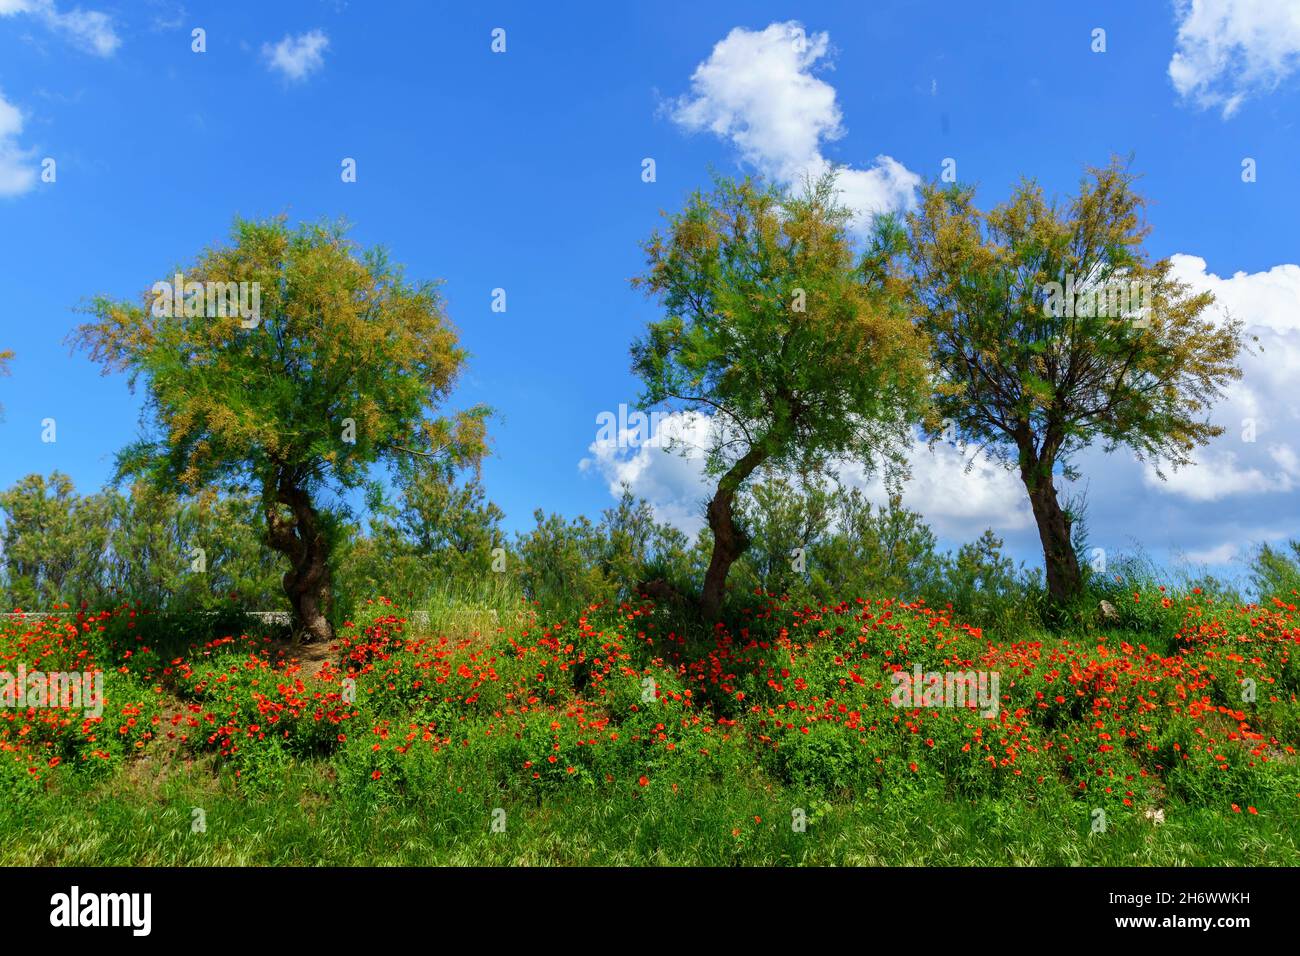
x=340 y=368
x=53 y=541
x=439 y=530
x=784 y=519
x=1052 y=329
x=800 y=353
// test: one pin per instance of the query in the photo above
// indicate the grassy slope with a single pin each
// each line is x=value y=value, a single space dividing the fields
x=140 y=814
x=302 y=820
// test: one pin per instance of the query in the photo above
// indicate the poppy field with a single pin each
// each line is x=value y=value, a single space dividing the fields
x=629 y=735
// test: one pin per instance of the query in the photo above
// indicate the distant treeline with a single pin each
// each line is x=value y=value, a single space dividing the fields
x=439 y=535
x=178 y=553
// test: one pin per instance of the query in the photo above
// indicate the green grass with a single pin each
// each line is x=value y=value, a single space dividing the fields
x=302 y=819
x=627 y=803
x=459 y=610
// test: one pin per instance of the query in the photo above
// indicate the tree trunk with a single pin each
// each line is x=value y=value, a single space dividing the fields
x=1064 y=578
x=303 y=541
x=729 y=541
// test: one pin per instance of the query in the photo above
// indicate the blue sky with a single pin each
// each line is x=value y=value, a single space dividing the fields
x=522 y=170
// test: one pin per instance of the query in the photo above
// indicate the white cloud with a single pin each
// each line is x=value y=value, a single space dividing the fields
x=1260 y=413
x=88 y=30
x=957 y=503
x=757 y=89
x=1219 y=554
x=1228 y=50
x=1262 y=299
x=17 y=174
x=670 y=478
x=296 y=57
x=885 y=187
x=1220 y=474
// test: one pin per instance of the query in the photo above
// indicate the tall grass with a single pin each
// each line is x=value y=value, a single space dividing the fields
x=466 y=608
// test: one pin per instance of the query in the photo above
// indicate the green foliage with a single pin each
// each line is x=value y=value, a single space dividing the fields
x=772 y=326
x=558 y=561
x=1275 y=573
x=155 y=556
x=54 y=541
x=782 y=521
x=439 y=530
x=571 y=564
x=1052 y=330
x=847 y=546
x=340 y=335
x=61 y=547
x=1020 y=368
x=339 y=370
x=799 y=354
x=985 y=587
x=881 y=551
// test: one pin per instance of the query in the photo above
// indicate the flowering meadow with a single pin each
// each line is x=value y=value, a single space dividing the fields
x=623 y=736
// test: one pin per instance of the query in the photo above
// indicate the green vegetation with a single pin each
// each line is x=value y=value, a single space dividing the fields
x=484 y=732
x=340 y=369
x=811 y=680
x=1051 y=331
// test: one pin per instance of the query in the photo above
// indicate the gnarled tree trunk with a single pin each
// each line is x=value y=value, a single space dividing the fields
x=302 y=539
x=1064 y=577
x=729 y=540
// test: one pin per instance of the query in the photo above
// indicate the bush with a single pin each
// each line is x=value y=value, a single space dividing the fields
x=1275 y=573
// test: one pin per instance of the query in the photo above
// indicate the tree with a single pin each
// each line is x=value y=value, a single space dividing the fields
x=1274 y=574
x=569 y=564
x=784 y=521
x=339 y=369
x=559 y=562
x=885 y=551
x=165 y=551
x=449 y=523
x=439 y=531
x=1051 y=329
x=53 y=542
x=108 y=547
x=798 y=353
x=981 y=582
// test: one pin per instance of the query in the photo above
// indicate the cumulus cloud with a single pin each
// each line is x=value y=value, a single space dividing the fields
x=666 y=468
x=297 y=57
x=17 y=173
x=1229 y=50
x=668 y=471
x=1260 y=414
x=88 y=30
x=1221 y=474
x=958 y=491
x=757 y=90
